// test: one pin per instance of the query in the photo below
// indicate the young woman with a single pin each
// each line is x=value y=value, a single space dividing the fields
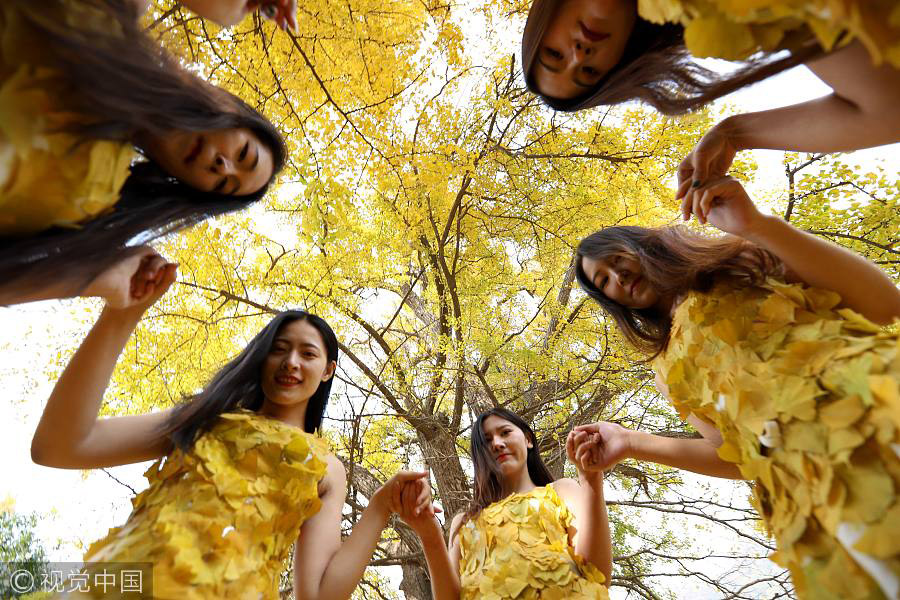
x=241 y=476
x=768 y=342
x=578 y=54
x=80 y=87
x=526 y=535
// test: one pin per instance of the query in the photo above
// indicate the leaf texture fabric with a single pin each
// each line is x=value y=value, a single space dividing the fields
x=518 y=548
x=805 y=395
x=219 y=521
x=737 y=29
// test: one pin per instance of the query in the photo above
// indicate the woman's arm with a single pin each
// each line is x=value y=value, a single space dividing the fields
x=69 y=434
x=592 y=539
x=861 y=112
x=325 y=568
x=443 y=572
x=696 y=455
x=862 y=285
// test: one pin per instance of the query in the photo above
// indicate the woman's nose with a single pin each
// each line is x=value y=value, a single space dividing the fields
x=222 y=165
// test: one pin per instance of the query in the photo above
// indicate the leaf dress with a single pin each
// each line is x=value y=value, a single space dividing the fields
x=518 y=548
x=45 y=178
x=735 y=29
x=806 y=398
x=219 y=521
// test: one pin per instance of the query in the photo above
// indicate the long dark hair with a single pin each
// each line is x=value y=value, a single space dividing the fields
x=122 y=85
x=239 y=385
x=488 y=484
x=655 y=68
x=674 y=260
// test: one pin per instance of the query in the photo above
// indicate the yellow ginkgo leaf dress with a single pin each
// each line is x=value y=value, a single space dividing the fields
x=45 y=178
x=518 y=548
x=219 y=521
x=735 y=29
x=806 y=398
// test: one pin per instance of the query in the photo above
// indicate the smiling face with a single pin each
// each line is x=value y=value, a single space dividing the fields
x=619 y=278
x=296 y=364
x=231 y=162
x=508 y=445
x=584 y=40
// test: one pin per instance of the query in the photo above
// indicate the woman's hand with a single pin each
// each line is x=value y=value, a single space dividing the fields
x=415 y=507
x=725 y=205
x=388 y=498
x=597 y=447
x=710 y=159
x=132 y=280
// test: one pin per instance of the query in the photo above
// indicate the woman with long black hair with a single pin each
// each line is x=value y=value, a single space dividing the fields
x=578 y=54
x=82 y=86
x=526 y=535
x=769 y=342
x=241 y=475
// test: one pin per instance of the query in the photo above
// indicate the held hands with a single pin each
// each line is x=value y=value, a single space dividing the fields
x=415 y=507
x=724 y=204
x=409 y=495
x=597 y=447
x=134 y=283
x=709 y=160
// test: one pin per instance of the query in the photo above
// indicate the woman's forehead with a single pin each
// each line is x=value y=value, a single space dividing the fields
x=493 y=423
x=300 y=330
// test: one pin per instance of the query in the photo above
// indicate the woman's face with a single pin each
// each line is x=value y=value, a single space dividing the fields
x=508 y=444
x=232 y=162
x=620 y=279
x=585 y=39
x=231 y=12
x=296 y=364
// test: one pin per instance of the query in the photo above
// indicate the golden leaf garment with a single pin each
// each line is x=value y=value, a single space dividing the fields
x=45 y=179
x=806 y=397
x=736 y=29
x=219 y=521
x=518 y=548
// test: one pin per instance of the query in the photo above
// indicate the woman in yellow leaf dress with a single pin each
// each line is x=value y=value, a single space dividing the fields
x=241 y=476
x=526 y=536
x=81 y=87
x=578 y=54
x=769 y=342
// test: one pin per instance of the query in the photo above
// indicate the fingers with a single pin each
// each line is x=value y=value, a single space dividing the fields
x=588 y=428
x=423 y=500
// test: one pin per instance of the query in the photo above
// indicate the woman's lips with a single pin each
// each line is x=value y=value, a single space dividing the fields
x=591 y=35
x=287 y=381
x=195 y=151
x=502 y=457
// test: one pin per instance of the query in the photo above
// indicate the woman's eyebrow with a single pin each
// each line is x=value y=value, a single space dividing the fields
x=255 y=160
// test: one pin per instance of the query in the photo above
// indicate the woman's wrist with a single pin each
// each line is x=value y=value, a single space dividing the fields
x=734 y=131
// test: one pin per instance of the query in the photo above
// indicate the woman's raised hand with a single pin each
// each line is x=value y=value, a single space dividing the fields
x=415 y=504
x=725 y=205
x=597 y=446
x=710 y=159
x=134 y=282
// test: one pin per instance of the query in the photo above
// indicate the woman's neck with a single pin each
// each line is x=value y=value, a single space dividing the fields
x=519 y=483
x=292 y=414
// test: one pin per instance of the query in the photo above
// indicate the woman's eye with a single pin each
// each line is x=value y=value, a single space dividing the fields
x=269 y=11
x=243 y=153
x=553 y=53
